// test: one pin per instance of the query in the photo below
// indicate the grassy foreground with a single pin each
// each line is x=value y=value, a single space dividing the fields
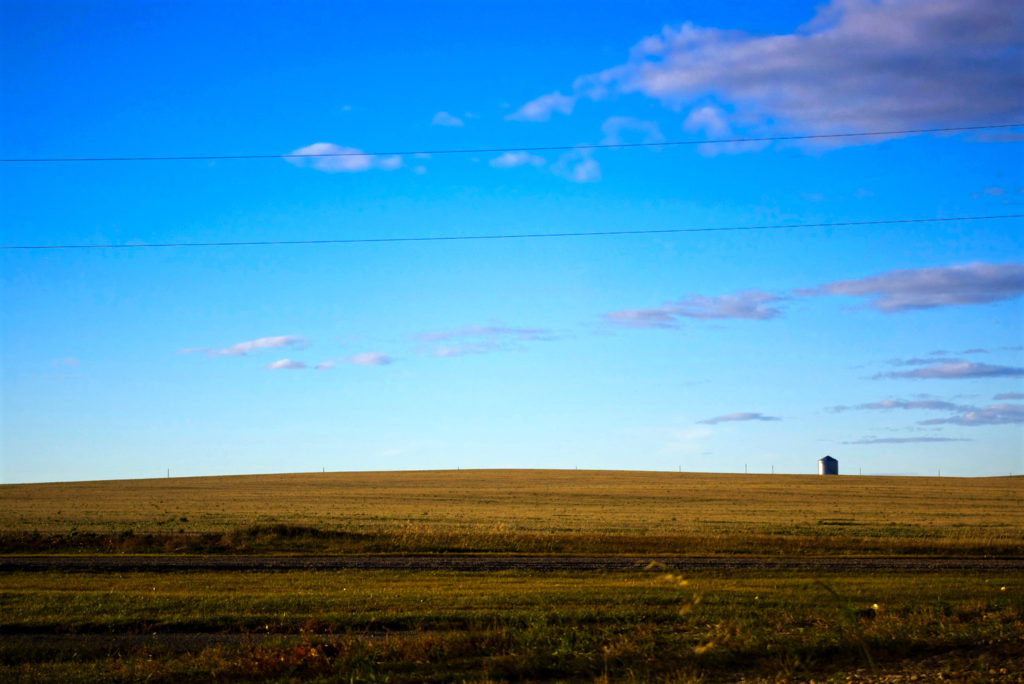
x=510 y=626
x=519 y=511
x=446 y=626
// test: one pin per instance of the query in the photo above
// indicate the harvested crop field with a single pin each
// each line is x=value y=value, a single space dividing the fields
x=495 y=576
x=495 y=511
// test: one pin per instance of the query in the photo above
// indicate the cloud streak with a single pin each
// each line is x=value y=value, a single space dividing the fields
x=713 y=123
x=286 y=364
x=488 y=331
x=451 y=350
x=510 y=160
x=482 y=339
x=750 y=305
x=958 y=370
x=577 y=166
x=1009 y=395
x=541 y=108
x=927 y=288
x=374 y=358
x=996 y=414
x=890 y=292
x=924 y=361
x=343 y=161
x=446 y=119
x=249 y=346
x=626 y=129
x=907 y=440
x=901 y=404
x=736 y=417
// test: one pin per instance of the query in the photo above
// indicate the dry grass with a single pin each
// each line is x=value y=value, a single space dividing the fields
x=527 y=511
x=509 y=626
x=514 y=626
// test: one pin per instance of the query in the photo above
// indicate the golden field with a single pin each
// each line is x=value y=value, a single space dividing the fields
x=544 y=511
x=867 y=620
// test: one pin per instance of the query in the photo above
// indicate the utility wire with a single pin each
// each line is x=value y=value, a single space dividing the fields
x=519 y=236
x=491 y=150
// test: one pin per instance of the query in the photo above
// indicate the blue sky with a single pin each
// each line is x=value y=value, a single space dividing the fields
x=895 y=348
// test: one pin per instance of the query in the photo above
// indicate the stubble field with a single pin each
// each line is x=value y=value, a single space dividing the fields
x=521 y=511
x=683 y=577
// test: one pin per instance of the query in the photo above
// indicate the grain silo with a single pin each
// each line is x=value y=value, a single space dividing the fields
x=828 y=466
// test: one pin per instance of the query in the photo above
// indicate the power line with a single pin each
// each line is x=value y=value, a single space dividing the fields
x=491 y=150
x=520 y=236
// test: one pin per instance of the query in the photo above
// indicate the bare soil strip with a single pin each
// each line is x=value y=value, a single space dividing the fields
x=488 y=563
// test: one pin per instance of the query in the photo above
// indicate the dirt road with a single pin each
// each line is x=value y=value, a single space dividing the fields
x=484 y=563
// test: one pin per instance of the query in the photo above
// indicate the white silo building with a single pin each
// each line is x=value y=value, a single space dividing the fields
x=828 y=466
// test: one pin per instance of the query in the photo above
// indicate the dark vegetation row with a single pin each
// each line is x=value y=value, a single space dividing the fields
x=283 y=538
x=601 y=653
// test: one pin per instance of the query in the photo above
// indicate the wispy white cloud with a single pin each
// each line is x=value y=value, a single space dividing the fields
x=286 y=364
x=857 y=64
x=903 y=404
x=890 y=292
x=998 y=191
x=481 y=339
x=446 y=119
x=956 y=371
x=709 y=120
x=743 y=416
x=995 y=414
x=488 y=331
x=749 y=304
x=937 y=356
x=541 y=108
x=374 y=358
x=244 y=348
x=341 y=159
x=923 y=361
x=659 y=317
x=577 y=166
x=465 y=348
x=713 y=122
x=926 y=288
x=508 y=160
x=1009 y=395
x=626 y=129
x=907 y=440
